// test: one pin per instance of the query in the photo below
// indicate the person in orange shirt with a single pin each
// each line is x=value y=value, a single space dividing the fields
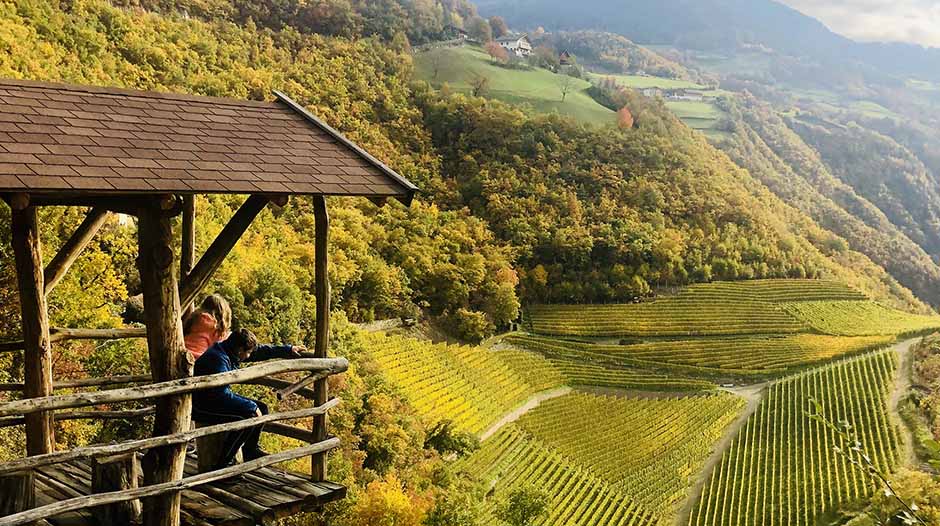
x=207 y=325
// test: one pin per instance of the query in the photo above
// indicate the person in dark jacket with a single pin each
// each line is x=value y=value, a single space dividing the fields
x=221 y=405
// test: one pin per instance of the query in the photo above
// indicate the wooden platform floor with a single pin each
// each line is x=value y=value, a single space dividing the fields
x=255 y=498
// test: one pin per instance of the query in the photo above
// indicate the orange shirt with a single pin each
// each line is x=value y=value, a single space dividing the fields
x=202 y=335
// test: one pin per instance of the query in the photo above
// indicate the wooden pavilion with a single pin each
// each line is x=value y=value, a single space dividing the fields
x=146 y=154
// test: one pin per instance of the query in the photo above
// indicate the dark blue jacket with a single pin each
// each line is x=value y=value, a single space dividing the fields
x=219 y=359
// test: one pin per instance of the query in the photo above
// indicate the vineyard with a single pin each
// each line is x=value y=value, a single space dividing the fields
x=854 y=318
x=470 y=386
x=514 y=459
x=733 y=308
x=781 y=468
x=742 y=355
x=649 y=449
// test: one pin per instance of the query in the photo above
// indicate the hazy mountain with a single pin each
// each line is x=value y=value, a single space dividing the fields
x=718 y=24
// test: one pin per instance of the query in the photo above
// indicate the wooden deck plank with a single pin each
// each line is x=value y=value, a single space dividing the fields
x=256 y=498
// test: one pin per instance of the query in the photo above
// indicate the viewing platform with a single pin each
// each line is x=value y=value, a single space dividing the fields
x=254 y=498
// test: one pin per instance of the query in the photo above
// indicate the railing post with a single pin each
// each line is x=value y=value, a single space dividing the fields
x=37 y=356
x=16 y=493
x=318 y=466
x=169 y=359
x=116 y=473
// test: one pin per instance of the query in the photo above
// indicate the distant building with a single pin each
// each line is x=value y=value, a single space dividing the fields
x=652 y=92
x=517 y=45
x=686 y=95
x=452 y=32
x=564 y=58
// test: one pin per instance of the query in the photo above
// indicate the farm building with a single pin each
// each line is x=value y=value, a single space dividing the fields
x=517 y=45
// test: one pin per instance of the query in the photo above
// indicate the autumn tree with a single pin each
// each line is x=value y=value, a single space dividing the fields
x=544 y=57
x=625 y=118
x=565 y=84
x=497 y=52
x=479 y=84
x=498 y=26
x=479 y=29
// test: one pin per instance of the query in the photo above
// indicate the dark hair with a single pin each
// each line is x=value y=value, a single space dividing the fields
x=243 y=340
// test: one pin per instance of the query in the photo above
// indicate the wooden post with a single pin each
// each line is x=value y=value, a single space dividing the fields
x=188 y=245
x=37 y=357
x=72 y=248
x=117 y=473
x=212 y=258
x=318 y=466
x=16 y=493
x=169 y=359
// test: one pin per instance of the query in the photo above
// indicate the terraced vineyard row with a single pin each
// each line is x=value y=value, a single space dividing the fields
x=470 y=386
x=649 y=448
x=743 y=355
x=682 y=315
x=578 y=373
x=774 y=291
x=781 y=469
x=513 y=459
x=854 y=318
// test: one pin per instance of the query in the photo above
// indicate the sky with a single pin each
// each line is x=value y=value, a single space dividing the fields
x=912 y=21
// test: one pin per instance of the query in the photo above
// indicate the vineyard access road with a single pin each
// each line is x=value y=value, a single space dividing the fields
x=529 y=405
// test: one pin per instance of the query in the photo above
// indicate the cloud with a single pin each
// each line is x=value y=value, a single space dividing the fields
x=914 y=21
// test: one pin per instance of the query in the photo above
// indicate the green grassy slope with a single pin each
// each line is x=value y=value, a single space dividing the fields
x=538 y=88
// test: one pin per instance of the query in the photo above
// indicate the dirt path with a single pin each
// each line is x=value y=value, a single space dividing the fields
x=529 y=405
x=753 y=395
x=902 y=386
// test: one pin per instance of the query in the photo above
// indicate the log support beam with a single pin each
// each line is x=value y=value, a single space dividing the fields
x=72 y=248
x=169 y=359
x=37 y=358
x=198 y=278
x=16 y=492
x=118 y=473
x=188 y=244
x=318 y=471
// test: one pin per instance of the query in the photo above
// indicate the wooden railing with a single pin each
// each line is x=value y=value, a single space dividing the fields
x=116 y=496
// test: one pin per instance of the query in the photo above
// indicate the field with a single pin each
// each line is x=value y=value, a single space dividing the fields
x=538 y=88
x=781 y=468
x=467 y=385
x=723 y=309
x=646 y=422
x=854 y=318
x=649 y=449
x=744 y=356
x=513 y=459
x=641 y=82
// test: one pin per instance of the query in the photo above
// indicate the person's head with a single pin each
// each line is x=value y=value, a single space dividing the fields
x=242 y=343
x=218 y=308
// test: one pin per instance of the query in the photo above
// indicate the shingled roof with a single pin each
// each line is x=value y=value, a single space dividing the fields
x=58 y=138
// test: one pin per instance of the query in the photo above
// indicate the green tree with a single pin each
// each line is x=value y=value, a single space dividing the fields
x=523 y=506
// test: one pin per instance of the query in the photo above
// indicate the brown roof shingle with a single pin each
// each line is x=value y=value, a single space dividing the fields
x=83 y=139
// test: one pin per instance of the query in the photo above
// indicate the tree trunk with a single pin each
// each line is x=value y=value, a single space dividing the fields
x=169 y=360
x=318 y=470
x=37 y=357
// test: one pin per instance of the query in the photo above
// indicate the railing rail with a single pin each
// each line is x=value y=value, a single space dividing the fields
x=12 y=413
x=172 y=387
x=100 y=499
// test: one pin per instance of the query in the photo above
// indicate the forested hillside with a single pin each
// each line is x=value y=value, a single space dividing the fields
x=516 y=208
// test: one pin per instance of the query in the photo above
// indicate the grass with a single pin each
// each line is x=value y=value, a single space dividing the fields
x=537 y=88
x=641 y=82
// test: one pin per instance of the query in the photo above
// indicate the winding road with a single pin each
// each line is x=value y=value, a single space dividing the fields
x=754 y=393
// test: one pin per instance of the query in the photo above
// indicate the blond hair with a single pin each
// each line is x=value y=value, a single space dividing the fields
x=214 y=305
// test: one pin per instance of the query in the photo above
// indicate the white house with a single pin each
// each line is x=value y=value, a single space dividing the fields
x=517 y=45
